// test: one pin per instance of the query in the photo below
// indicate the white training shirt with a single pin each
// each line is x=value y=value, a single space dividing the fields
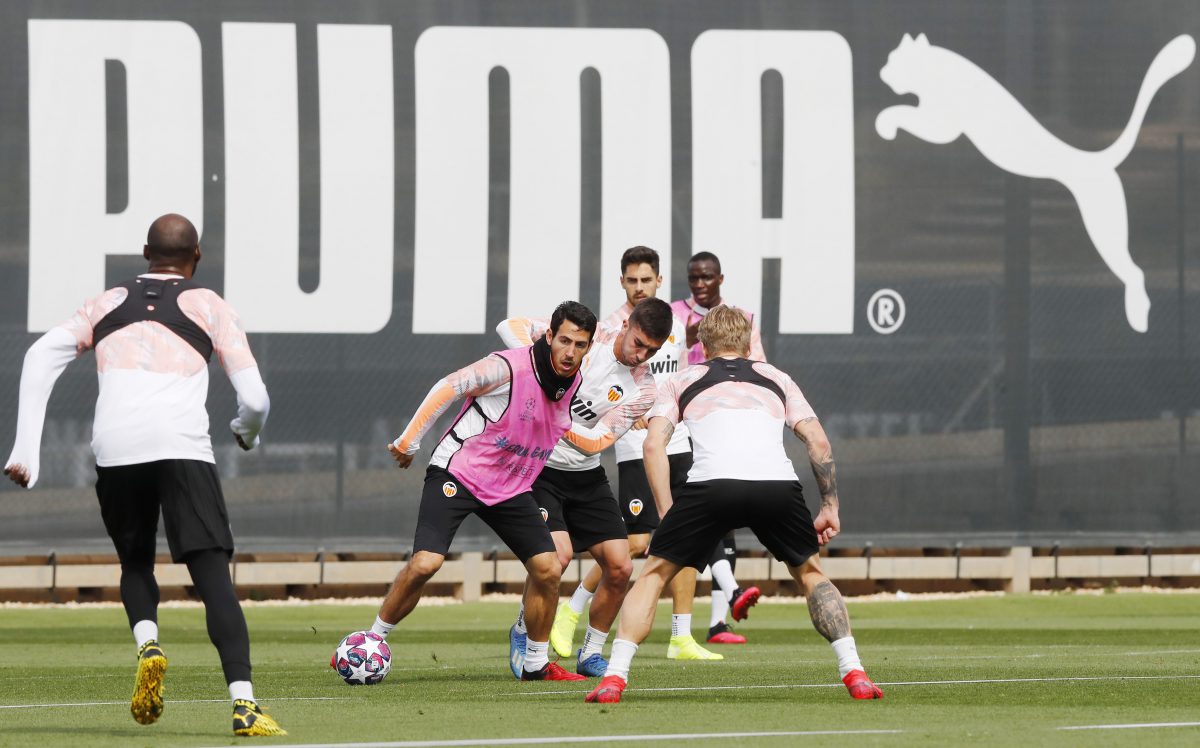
x=736 y=427
x=153 y=384
x=671 y=358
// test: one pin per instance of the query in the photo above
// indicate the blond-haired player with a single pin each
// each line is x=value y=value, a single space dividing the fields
x=735 y=410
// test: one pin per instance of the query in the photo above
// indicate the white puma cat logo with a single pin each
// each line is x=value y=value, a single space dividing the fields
x=958 y=98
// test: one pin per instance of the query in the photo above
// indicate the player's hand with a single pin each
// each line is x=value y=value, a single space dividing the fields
x=402 y=460
x=639 y=424
x=693 y=331
x=18 y=474
x=827 y=524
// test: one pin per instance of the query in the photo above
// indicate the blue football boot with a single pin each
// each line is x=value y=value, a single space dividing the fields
x=516 y=651
x=593 y=667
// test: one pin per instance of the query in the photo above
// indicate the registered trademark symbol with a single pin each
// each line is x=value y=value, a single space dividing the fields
x=885 y=311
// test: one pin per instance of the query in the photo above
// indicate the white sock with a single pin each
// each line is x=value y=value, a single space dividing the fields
x=720 y=608
x=847 y=655
x=536 y=655
x=580 y=599
x=144 y=631
x=521 y=620
x=621 y=658
x=241 y=689
x=382 y=627
x=722 y=574
x=681 y=624
x=593 y=643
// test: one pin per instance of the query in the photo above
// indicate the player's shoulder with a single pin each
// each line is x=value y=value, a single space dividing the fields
x=615 y=318
x=197 y=294
x=684 y=377
x=770 y=371
x=681 y=308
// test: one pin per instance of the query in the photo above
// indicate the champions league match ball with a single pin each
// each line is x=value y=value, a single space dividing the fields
x=363 y=658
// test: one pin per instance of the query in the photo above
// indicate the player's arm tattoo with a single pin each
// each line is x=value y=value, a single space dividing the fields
x=820 y=456
x=828 y=611
x=664 y=427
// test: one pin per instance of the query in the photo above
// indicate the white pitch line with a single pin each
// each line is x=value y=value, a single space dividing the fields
x=1133 y=726
x=590 y=739
x=173 y=701
x=981 y=681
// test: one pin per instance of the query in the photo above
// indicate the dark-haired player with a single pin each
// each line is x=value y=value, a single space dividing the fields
x=641 y=280
x=516 y=409
x=573 y=490
x=705 y=279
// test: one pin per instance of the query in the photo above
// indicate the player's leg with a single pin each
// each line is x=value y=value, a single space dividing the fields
x=406 y=589
x=784 y=525
x=518 y=632
x=832 y=621
x=519 y=524
x=685 y=538
x=438 y=519
x=595 y=521
x=547 y=495
x=566 y=619
x=613 y=558
x=741 y=599
x=637 y=618
x=198 y=534
x=637 y=509
x=683 y=646
x=129 y=508
x=723 y=563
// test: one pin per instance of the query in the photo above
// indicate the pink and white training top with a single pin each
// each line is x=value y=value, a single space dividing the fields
x=153 y=384
x=505 y=431
x=736 y=426
x=671 y=358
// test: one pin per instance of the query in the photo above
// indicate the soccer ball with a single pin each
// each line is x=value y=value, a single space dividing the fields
x=363 y=658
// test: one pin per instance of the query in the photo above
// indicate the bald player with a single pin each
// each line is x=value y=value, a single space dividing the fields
x=153 y=336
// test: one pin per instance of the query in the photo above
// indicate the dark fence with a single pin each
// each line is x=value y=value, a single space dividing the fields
x=380 y=183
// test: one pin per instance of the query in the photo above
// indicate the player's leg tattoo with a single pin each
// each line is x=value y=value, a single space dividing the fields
x=828 y=611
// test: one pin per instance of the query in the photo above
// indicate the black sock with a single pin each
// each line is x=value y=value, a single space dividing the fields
x=226 y=623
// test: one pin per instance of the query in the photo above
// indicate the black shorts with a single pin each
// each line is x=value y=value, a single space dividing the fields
x=445 y=503
x=704 y=512
x=580 y=503
x=188 y=492
x=637 y=501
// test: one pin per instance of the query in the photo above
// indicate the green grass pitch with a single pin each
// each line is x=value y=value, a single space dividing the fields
x=1053 y=661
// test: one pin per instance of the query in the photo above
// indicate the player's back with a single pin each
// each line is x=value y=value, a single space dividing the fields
x=153 y=336
x=736 y=411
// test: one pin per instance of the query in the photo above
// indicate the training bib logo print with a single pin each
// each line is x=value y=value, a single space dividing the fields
x=528 y=414
x=545 y=514
x=449 y=489
x=614 y=393
x=635 y=507
x=957 y=97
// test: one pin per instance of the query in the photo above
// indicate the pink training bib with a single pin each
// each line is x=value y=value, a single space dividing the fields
x=505 y=458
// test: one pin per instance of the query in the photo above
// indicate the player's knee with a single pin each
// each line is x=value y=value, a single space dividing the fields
x=617 y=574
x=638 y=545
x=424 y=564
x=545 y=570
x=564 y=560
